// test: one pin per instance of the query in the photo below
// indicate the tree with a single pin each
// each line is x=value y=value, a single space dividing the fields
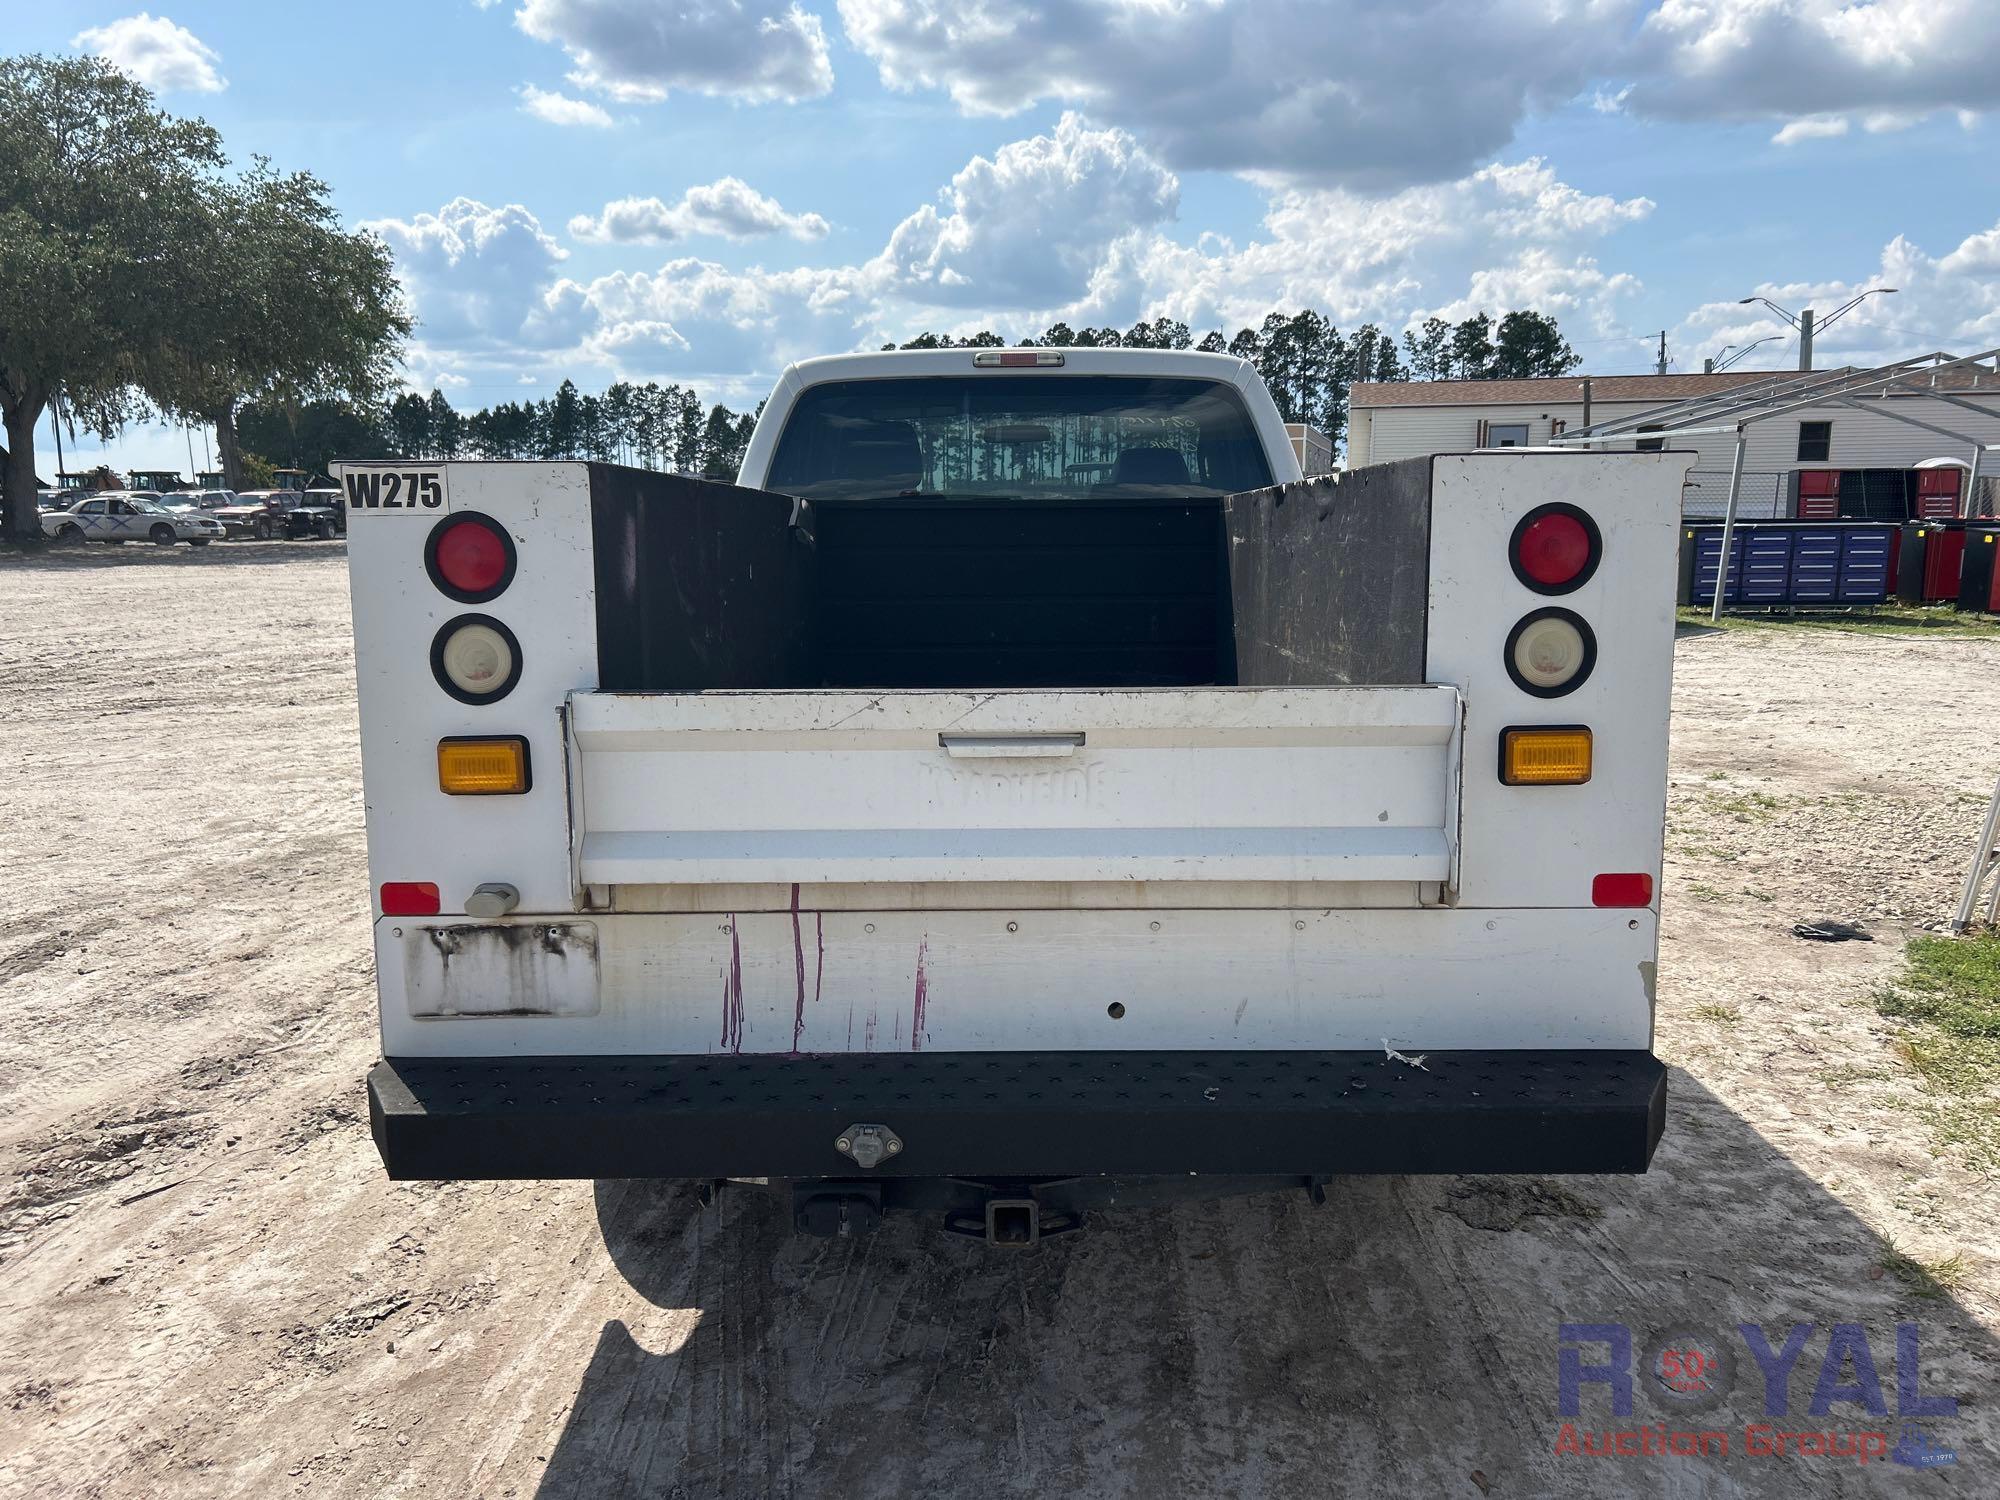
x=311 y=436
x=687 y=433
x=410 y=425
x=722 y=442
x=562 y=434
x=1472 y=348
x=1161 y=333
x=447 y=427
x=1427 y=351
x=1529 y=345
x=101 y=199
x=287 y=306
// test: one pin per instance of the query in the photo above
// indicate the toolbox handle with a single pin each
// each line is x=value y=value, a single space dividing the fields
x=1008 y=746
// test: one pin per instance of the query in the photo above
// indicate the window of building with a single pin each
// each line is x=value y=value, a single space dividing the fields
x=1650 y=445
x=1815 y=442
x=1506 y=435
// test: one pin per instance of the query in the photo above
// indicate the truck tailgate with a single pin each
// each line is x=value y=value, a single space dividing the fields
x=1162 y=784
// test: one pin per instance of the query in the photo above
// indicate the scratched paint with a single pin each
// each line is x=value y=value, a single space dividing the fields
x=732 y=992
x=923 y=997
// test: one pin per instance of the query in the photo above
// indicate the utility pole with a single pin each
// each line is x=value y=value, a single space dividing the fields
x=1663 y=353
x=1805 y=338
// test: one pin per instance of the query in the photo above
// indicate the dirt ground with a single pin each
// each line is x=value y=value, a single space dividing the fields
x=209 y=1287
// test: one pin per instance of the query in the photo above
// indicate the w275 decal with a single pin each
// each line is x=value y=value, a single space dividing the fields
x=395 y=489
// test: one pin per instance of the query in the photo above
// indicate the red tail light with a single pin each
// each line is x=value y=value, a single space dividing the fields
x=1555 y=549
x=409 y=898
x=470 y=557
x=1622 y=890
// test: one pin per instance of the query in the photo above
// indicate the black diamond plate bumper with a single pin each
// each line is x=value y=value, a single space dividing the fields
x=1019 y=1114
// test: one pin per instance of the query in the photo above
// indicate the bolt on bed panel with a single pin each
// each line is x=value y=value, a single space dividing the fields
x=1329 y=578
x=699 y=585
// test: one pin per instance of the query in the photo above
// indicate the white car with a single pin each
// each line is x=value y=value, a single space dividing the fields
x=130 y=516
x=198 y=500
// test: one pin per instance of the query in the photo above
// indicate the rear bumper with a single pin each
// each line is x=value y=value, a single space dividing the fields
x=1019 y=1114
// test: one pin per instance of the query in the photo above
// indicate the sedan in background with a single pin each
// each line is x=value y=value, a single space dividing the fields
x=128 y=516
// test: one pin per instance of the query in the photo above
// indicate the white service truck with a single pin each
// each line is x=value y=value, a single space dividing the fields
x=1021 y=792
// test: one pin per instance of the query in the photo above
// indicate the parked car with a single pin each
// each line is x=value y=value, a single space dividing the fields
x=257 y=514
x=202 y=500
x=265 y=514
x=319 y=513
x=129 y=516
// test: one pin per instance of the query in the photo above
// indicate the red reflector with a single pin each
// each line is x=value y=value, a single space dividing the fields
x=409 y=898
x=471 y=557
x=1554 y=548
x=1622 y=890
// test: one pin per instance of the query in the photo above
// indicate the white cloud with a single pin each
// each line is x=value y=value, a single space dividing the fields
x=639 y=51
x=1812 y=128
x=728 y=207
x=1507 y=236
x=158 y=53
x=1029 y=226
x=1801 y=59
x=1360 y=94
x=560 y=109
x=476 y=274
x=1339 y=91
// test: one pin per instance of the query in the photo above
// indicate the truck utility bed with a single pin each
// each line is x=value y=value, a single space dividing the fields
x=1011 y=785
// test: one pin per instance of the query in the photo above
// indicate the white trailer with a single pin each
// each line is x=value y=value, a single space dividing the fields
x=1020 y=792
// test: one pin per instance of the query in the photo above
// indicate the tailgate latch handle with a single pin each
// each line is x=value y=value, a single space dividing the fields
x=1008 y=746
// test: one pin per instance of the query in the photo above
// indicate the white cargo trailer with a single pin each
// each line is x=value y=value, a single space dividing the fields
x=1019 y=792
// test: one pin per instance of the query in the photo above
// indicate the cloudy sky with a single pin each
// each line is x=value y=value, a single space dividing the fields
x=701 y=191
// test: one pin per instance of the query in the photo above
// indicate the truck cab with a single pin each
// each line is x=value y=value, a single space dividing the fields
x=1020 y=792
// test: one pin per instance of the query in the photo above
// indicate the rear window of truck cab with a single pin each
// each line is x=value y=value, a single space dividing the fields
x=1083 y=437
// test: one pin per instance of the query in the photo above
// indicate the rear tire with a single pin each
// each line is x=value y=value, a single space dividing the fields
x=162 y=535
x=70 y=536
x=262 y=529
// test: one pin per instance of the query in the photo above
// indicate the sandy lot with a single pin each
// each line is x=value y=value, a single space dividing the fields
x=209 y=1288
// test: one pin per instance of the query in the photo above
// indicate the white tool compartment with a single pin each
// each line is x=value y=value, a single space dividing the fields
x=1176 y=785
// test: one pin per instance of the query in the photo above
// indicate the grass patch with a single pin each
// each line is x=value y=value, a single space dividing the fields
x=1702 y=892
x=1880 y=619
x=1750 y=807
x=1952 y=984
x=1764 y=896
x=1721 y=1015
x=1928 y=1279
x=1949 y=999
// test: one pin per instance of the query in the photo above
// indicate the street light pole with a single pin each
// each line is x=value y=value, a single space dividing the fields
x=1803 y=321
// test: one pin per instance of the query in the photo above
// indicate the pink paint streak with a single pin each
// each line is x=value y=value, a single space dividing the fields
x=923 y=997
x=732 y=992
x=799 y=965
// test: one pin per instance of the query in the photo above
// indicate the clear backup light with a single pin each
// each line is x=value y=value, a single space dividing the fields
x=1550 y=653
x=476 y=659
